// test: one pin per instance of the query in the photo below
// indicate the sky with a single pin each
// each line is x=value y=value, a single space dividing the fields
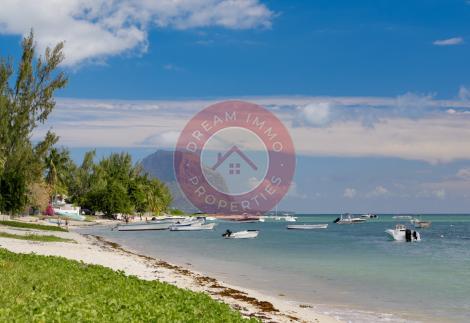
x=375 y=94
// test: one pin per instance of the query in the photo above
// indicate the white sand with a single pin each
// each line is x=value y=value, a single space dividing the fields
x=94 y=250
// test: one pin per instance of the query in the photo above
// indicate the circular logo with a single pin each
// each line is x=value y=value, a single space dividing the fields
x=234 y=157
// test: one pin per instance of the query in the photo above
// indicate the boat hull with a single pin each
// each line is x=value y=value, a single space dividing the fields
x=307 y=226
x=201 y=227
x=243 y=235
x=144 y=226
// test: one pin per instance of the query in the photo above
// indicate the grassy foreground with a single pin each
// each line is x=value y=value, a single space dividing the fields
x=27 y=225
x=34 y=237
x=52 y=289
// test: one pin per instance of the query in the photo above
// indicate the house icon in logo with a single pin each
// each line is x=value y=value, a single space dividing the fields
x=234 y=168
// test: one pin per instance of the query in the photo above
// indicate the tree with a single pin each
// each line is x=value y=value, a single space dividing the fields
x=115 y=199
x=39 y=195
x=24 y=104
x=158 y=196
x=58 y=168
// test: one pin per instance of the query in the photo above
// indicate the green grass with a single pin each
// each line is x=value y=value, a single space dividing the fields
x=52 y=289
x=34 y=237
x=27 y=225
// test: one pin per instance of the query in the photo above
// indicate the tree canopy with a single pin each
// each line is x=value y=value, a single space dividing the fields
x=26 y=102
x=31 y=174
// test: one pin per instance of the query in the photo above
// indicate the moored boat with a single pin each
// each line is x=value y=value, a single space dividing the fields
x=402 y=217
x=369 y=216
x=193 y=227
x=402 y=233
x=246 y=234
x=307 y=226
x=348 y=219
x=145 y=226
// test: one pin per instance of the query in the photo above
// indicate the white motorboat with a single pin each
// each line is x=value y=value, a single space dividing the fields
x=246 y=234
x=290 y=218
x=348 y=219
x=402 y=233
x=193 y=227
x=307 y=226
x=144 y=226
x=369 y=216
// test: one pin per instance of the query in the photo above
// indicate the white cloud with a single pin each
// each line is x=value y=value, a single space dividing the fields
x=440 y=194
x=349 y=193
x=378 y=191
x=172 y=67
x=464 y=93
x=165 y=139
x=434 y=138
x=96 y=29
x=449 y=41
x=294 y=192
x=314 y=114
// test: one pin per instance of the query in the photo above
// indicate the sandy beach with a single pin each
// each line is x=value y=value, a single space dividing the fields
x=95 y=250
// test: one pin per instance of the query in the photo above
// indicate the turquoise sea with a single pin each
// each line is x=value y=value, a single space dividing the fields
x=352 y=271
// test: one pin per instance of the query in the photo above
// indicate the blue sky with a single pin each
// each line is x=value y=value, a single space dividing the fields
x=383 y=86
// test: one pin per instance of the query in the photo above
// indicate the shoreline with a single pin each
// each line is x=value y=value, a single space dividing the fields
x=95 y=249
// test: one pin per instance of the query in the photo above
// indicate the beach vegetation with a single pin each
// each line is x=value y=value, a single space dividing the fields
x=34 y=237
x=91 y=293
x=28 y=225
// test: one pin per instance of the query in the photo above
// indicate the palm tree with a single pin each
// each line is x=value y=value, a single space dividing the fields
x=58 y=164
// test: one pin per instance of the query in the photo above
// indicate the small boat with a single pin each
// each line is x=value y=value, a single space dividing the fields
x=193 y=227
x=422 y=224
x=369 y=216
x=402 y=217
x=290 y=218
x=348 y=219
x=307 y=226
x=402 y=233
x=246 y=234
x=145 y=226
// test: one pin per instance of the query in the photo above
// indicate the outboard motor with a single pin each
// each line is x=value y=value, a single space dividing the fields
x=337 y=220
x=408 y=235
x=227 y=233
x=415 y=236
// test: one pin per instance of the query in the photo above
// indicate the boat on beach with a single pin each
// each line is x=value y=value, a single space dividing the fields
x=349 y=219
x=193 y=227
x=402 y=233
x=307 y=226
x=246 y=234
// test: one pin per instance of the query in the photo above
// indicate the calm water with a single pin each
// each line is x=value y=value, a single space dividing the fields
x=341 y=268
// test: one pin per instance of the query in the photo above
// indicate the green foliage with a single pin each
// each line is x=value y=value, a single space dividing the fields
x=27 y=225
x=90 y=293
x=25 y=103
x=34 y=237
x=176 y=212
x=13 y=189
x=58 y=166
x=116 y=185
